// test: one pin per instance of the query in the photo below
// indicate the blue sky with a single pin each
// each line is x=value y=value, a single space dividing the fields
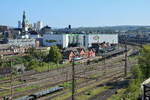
x=78 y=13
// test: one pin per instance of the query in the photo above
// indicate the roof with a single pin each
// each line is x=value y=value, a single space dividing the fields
x=79 y=49
x=7 y=53
x=33 y=33
x=4 y=46
x=46 y=27
x=75 y=50
x=66 y=53
x=147 y=85
x=19 y=29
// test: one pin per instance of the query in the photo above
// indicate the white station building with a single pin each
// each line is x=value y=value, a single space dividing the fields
x=55 y=39
x=99 y=38
x=85 y=40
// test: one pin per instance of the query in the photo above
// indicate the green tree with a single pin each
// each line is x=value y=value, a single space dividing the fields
x=0 y=61
x=54 y=55
x=136 y=73
x=36 y=54
x=32 y=64
x=144 y=61
x=31 y=51
x=133 y=89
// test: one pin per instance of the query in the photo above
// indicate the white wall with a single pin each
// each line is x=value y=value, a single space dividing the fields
x=60 y=39
x=63 y=39
x=99 y=38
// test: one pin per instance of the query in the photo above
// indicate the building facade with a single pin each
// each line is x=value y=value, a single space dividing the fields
x=22 y=42
x=100 y=38
x=57 y=39
x=38 y=25
x=86 y=40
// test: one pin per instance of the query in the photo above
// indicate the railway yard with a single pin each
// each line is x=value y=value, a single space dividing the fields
x=94 y=81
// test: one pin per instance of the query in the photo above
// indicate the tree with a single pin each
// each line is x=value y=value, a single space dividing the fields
x=36 y=54
x=133 y=90
x=136 y=73
x=0 y=61
x=54 y=55
x=32 y=64
x=31 y=51
x=144 y=61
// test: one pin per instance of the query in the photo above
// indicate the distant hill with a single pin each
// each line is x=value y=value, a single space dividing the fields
x=113 y=28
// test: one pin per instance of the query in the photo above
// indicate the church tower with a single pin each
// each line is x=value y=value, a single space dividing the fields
x=24 y=24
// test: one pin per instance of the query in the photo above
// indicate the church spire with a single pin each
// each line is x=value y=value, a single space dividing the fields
x=24 y=22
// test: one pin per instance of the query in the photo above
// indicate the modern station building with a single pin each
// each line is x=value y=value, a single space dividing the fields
x=86 y=40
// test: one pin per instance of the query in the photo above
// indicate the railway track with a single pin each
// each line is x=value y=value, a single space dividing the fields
x=113 y=76
x=88 y=73
x=80 y=85
x=64 y=80
x=56 y=82
x=64 y=70
x=32 y=73
x=84 y=83
x=36 y=77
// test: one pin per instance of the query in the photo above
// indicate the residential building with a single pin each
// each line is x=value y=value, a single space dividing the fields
x=46 y=30
x=22 y=42
x=38 y=26
x=19 y=24
x=77 y=52
x=6 y=49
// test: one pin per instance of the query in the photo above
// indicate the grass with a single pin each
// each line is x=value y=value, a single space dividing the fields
x=133 y=57
x=91 y=93
x=4 y=78
x=18 y=90
x=117 y=96
x=62 y=97
x=8 y=84
x=25 y=88
x=50 y=66
x=4 y=93
x=66 y=85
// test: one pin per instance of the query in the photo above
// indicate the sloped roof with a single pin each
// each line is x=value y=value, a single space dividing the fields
x=33 y=33
x=4 y=46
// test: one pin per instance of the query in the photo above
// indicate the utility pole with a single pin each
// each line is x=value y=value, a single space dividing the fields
x=11 y=88
x=73 y=79
x=104 y=60
x=125 y=66
x=66 y=76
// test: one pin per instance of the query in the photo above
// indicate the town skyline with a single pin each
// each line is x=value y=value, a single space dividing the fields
x=77 y=13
